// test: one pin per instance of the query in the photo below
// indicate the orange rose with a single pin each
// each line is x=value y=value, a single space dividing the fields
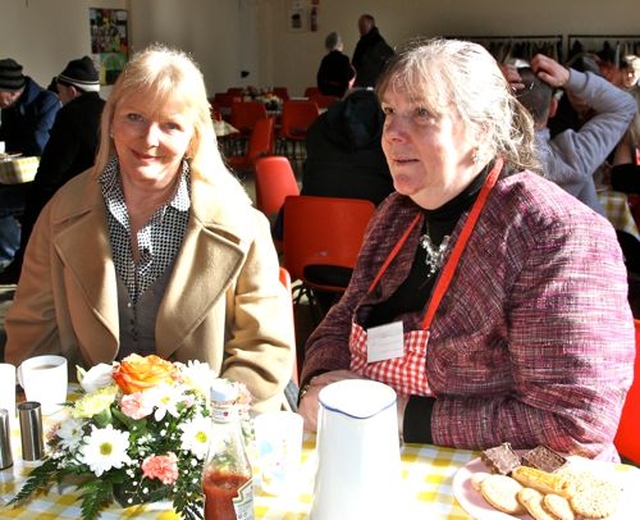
x=136 y=373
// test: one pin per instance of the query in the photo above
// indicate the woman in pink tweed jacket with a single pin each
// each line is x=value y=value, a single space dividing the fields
x=532 y=341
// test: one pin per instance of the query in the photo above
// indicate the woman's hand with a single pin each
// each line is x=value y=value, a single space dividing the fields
x=550 y=71
x=308 y=406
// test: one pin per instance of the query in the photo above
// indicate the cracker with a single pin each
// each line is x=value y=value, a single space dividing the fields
x=500 y=491
x=597 y=499
x=477 y=478
x=558 y=506
x=501 y=459
x=531 y=499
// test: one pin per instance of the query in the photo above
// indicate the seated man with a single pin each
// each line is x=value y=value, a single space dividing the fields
x=70 y=150
x=27 y=113
x=571 y=157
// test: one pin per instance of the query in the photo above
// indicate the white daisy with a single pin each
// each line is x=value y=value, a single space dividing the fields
x=196 y=435
x=105 y=448
x=70 y=433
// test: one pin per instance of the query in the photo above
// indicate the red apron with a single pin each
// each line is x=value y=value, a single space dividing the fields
x=408 y=374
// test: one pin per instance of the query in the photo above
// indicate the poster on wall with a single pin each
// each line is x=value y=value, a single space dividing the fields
x=109 y=42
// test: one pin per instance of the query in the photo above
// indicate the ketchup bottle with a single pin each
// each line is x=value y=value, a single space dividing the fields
x=227 y=479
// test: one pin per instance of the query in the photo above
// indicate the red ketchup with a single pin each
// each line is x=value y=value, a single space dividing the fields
x=219 y=490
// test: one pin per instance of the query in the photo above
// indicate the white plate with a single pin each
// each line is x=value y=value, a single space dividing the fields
x=473 y=503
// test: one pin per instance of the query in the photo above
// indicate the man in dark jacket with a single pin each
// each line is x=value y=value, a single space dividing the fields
x=71 y=148
x=27 y=115
x=371 y=53
x=344 y=154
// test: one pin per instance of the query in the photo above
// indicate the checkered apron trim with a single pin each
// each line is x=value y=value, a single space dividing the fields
x=406 y=374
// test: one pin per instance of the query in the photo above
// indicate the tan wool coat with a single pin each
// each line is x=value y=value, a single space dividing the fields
x=223 y=304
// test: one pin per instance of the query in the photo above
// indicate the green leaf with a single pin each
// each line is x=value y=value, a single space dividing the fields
x=39 y=480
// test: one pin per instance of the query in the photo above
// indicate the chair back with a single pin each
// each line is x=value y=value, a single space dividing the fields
x=282 y=93
x=261 y=144
x=274 y=181
x=627 y=440
x=297 y=116
x=312 y=91
x=244 y=115
x=323 y=231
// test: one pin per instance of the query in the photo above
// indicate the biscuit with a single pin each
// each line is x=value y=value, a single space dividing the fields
x=558 y=506
x=531 y=499
x=500 y=491
x=596 y=499
x=542 y=481
x=477 y=478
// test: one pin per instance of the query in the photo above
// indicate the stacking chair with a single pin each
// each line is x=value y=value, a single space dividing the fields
x=244 y=115
x=309 y=92
x=627 y=440
x=275 y=180
x=261 y=144
x=282 y=93
x=297 y=116
x=322 y=239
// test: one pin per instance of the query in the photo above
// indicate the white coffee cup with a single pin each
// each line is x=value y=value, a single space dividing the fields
x=45 y=380
x=279 y=447
x=2 y=147
x=8 y=389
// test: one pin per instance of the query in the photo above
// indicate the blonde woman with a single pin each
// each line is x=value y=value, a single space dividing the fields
x=156 y=249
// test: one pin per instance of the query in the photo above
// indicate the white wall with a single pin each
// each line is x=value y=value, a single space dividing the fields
x=227 y=36
x=44 y=35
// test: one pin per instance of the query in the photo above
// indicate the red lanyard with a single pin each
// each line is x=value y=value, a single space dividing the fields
x=452 y=262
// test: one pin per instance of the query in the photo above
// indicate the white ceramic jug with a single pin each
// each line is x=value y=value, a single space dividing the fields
x=358 y=474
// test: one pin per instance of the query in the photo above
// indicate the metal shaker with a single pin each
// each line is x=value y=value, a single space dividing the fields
x=6 y=459
x=30 y=416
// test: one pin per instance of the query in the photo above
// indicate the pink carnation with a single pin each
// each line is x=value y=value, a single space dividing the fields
x=134 y=406
x=162 y=467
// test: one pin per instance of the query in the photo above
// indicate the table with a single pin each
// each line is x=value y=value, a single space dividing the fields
x=616 y=209
x=18 y=170
x=427 y=473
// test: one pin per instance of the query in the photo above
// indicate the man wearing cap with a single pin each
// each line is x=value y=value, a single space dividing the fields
x=27 y=113
x=71 y=148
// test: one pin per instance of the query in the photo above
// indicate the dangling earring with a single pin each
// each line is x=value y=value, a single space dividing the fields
x=475 y=156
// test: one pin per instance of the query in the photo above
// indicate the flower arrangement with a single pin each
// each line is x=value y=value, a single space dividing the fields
x=139 y=433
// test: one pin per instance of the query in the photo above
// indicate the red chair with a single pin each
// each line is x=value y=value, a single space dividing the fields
x=312 y=91
x=627 y=440
x=323 y=231
x=261 y=144
x=244 y=115
x=282 y=93
x=274 y=181
x=297 y=116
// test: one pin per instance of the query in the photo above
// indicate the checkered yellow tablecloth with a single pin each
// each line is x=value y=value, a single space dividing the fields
x=17 y=171
x=616 y=209
x=427 y=473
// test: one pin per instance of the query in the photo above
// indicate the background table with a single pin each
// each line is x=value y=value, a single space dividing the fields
x=19 y=170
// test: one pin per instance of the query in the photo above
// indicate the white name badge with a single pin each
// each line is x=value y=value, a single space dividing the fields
x=385 y=342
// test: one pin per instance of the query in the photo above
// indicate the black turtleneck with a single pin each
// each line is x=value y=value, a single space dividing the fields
x=413 y=294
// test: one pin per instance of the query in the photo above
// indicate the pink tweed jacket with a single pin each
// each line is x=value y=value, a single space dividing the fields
x=534 y=340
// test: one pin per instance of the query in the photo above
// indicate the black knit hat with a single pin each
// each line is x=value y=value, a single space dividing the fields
x=11 y=77
x=81 y=74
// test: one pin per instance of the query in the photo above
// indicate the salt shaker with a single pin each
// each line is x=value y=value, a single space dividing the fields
x=30 y=415
x=6 y=459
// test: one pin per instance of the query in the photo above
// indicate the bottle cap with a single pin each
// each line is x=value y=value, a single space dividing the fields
x=223 y=391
